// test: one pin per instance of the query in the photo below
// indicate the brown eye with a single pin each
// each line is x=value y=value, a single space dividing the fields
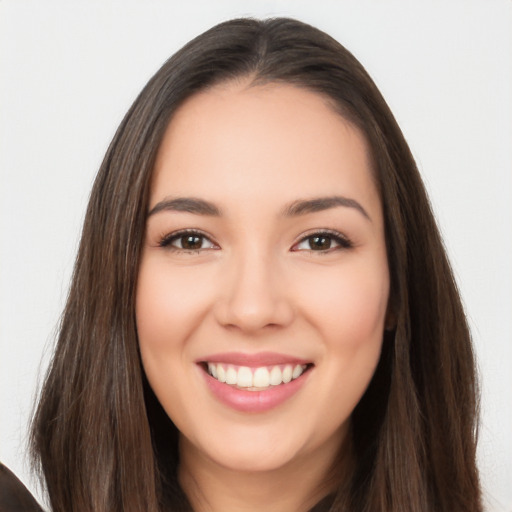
x=187 y=241
x=319 y=243
x=323 y=242
x=190 y=242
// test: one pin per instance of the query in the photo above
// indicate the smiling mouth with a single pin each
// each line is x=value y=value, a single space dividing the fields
x=255 y=379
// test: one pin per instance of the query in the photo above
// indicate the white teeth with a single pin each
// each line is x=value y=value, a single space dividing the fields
x=221 y=373
x=297 y=371
x=231 y=376
x=244 y=377
x=212 y=368
x=259 y=378
x=276 y=377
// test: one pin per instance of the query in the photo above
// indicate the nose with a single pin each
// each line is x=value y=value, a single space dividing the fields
x=254 y=295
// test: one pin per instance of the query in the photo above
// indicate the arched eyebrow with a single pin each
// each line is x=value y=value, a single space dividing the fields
x=318 y=204
x=186 y=204
x=296 y=208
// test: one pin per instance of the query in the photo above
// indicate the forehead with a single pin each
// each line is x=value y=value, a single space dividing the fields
x=267 y=140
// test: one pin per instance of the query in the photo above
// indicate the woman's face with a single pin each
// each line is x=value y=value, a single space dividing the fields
x=265 y=265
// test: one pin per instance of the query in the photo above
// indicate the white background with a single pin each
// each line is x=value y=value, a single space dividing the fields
x=69 y=70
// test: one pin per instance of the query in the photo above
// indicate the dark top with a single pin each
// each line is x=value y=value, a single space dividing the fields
x=14 y=496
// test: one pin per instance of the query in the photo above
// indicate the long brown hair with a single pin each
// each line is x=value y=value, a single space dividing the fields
x=100 y=438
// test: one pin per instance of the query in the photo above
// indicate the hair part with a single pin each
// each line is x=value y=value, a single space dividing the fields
x=99 y=436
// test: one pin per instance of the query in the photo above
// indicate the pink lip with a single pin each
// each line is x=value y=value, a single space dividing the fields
x=254 y=401
x=252 y=360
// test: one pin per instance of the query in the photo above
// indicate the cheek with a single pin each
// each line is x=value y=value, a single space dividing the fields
x=348 y=310
x=169 y=304
x=348 y=306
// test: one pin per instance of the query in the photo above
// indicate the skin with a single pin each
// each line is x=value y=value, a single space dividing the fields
x=257 y=283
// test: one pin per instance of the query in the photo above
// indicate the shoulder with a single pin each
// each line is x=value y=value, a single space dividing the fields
x=14 y=496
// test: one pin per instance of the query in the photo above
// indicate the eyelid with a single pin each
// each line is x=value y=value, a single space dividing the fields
x=342 y=241
x=166 y=240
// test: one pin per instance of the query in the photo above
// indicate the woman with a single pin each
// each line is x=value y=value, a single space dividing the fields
x=262 y=313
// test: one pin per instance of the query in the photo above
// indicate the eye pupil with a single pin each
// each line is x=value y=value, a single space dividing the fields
x=191 y=242
x=320 y=243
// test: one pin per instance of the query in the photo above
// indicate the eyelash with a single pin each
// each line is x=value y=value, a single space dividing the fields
x=167 y=240
x=341 y=240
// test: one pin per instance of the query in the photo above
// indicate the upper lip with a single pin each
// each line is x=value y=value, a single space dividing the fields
x=252 y=360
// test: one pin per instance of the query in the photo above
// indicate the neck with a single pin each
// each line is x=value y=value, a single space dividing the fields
x=294 y=487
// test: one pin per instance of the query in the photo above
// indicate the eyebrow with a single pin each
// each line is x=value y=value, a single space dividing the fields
x=305 y=206
x=294 y=209
x=186 y=204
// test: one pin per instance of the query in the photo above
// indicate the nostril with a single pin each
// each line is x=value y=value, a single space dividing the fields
x=252 y=306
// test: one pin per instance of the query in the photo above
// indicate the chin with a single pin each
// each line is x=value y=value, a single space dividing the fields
x=257 y=462
x=249 y=451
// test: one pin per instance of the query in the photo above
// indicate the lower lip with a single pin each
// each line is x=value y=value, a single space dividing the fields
x=254 y=401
